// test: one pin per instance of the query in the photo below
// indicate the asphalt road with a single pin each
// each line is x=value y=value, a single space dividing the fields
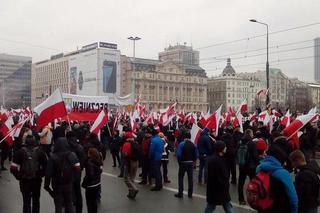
x=114 y=193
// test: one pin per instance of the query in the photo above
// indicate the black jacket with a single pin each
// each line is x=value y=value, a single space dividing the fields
x=253 y=158
x=205 y=144
x=20 y=156
x=93 y=173
x=307 y=185
x=231 y=145
x=61 y=148
x=95 y=143
x=76 y=148
x=115 y=143
x=218 y=181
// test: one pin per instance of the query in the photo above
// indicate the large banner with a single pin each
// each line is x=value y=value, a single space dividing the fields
x=84 y=108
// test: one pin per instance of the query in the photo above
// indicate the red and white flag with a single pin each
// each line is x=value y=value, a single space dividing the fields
x=285 y=121
x=214 y=119
x=195 y=133
x=297 y=124
x=7 y=131
x=243 y=107
x=262 y=92
x=53 y=107
x=101 y=120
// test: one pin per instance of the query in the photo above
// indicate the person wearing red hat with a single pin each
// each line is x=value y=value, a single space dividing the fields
x=131 y=154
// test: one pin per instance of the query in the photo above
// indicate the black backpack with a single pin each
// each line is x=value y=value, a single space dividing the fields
x=63 y=168
x=30 y=166
x=136 y=152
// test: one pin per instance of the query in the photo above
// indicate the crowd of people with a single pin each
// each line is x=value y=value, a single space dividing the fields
x=60 y=153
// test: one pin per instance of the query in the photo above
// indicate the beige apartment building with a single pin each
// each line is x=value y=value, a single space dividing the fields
x=231 y=89
x=47 y=76
x=163 y=82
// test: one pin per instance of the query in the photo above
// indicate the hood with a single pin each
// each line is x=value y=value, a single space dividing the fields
x=269 y=164
x=61 y=145
x=205 y=131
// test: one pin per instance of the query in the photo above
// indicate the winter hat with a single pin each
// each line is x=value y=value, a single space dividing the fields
x=219 y=146
x=261 y=144
x=278 y=153
x=161 y=135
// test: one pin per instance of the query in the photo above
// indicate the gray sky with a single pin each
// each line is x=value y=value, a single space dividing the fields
x=65 y=24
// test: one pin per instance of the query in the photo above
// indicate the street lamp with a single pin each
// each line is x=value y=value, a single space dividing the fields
x=134 y=39
x=267 y=63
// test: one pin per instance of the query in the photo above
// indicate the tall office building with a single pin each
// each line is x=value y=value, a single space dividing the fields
x=317 y=59
x=181 y=54
x=15 y=81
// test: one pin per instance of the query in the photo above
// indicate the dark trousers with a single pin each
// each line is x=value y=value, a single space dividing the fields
x=146 y=172
x=122 y=162
x=91 y=199
x=185 y=168
x=231 y=161
x=77 y=194
x=243 y=173
x=164 y=164
x=30 y=190
x=156 y=172
x=5 y=151
x=202 y=169
x=63 y=197
x=115 y=158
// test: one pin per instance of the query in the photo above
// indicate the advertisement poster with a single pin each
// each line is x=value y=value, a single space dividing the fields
x=95 y=71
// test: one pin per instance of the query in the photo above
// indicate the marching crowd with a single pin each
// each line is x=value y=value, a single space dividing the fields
x=62 y=155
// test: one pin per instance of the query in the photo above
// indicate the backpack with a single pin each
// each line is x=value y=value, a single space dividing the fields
x=242 y=153
x=135 y=152
x=63 y=169
x=30 y=166
x=258 y=191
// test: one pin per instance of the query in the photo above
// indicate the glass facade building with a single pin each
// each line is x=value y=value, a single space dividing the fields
x=15 y=81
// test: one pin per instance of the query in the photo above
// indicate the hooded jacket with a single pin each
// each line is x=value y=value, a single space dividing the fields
x=205 y=145
x=156 y=148
x=61 y=148
x=307 y=185
x=282 y=189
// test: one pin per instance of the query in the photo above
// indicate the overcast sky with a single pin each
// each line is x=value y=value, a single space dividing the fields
x=64 y=25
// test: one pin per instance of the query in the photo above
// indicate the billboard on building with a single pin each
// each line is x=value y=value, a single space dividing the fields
x=95 y=71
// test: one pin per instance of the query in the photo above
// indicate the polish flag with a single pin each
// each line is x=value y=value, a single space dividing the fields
x=101 y=120
x=149 y=119
x=53 y=107
x=230 y=110
x=6 y=130
x=204 y=118
x=239 y=120
x=285 y=121
x=17 y=128
x=214 y=119
x=261 y=92
x=243 y=107
x=195 y=133
x=297 y=124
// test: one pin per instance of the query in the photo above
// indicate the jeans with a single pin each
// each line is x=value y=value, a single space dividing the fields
x=77 y=193
x=115 y=158
x=30 y=190
x=156 y=173
x=92 y=194
x=164 y=164
x=231 y=161
x=185 y=168
x=146 y=173
x=202 y=169
x=63 y=197
x=315 y=210
x=122 y=161
x=130 y=172
x=227 y=208
x=243 y=173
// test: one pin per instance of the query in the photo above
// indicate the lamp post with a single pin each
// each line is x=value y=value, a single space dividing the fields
x=267 y=63
x=134 y=39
